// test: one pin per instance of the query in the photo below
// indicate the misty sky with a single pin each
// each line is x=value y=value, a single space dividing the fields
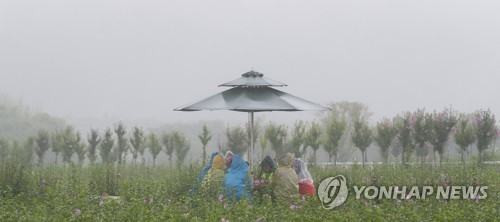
x=141 y=59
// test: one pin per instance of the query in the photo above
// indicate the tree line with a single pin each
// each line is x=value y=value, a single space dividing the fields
x=344 y=128
x=108 y=147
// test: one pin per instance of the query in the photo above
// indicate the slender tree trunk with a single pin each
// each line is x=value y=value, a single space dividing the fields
x=386 y=156
x=314 y=153
x=402 y=156
x=363 y=157
x=335 y=160
x=366 y=156
x=440 y=159
x=204 y=155
x=462 y=157
x=479 y=157
x=434 y=156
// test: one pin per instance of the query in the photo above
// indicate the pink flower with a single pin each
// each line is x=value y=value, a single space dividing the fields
x=367 y=202
x=224 y=220
x=408 y=197
x=303 y=198
x=221 y=198
x=399 y=202
x=78 y=212
x=358 y=197
x=475 y=198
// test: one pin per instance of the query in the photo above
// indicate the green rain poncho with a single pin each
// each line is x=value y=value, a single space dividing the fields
x=285 y=181
x=212 y=183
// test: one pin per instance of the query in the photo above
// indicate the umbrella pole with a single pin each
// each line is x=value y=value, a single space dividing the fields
x=250 y=150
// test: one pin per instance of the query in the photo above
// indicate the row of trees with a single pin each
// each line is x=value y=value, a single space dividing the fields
x=112 y=146
x=419 y=132
x=342 y=129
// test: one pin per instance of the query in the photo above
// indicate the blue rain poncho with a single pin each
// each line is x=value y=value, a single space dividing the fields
x=236 y=182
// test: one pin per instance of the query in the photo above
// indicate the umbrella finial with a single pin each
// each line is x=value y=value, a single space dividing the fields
x=252 y=73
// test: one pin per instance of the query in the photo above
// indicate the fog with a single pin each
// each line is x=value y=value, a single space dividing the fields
x=99 y=60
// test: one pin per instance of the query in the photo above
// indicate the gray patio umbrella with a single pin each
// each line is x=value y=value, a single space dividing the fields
x=253 y=93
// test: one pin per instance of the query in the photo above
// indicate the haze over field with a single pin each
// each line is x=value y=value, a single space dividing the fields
x=96 y=61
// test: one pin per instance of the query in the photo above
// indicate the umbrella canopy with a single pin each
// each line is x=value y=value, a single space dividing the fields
x=253 y=78
x=252 y=93
x=252 y=99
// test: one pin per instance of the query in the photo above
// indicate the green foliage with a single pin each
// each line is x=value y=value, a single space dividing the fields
x=350 y=112
x=15 y=178
x=313 y=138
x=464 y=135
x=404 y=126
x=43 y=144
x=205 y=136
x=93 y=141
x=137 y=141
x=4 y=150
x=277 y=136
x=385 y=134
x=334 y=129
x=67 y=140
x=297 y=139
x=263 y=144
x=181 y=146
x=440 y=128
x=23 y=151
x=121 y=145
x=486 y=130
x=80 y=148
x=168 y=142
x=154 y=146
x=142 y=193
x=237 y=139
x=362 y=137
x=421 y=132
x=106 y=146
x=18 y=121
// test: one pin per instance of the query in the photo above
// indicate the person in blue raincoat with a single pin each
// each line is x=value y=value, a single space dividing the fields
x=236 y=182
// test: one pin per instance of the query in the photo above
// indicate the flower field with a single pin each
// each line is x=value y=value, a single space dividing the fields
x=145 y=193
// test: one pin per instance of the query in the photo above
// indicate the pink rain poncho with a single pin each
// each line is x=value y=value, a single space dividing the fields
x=306 y=183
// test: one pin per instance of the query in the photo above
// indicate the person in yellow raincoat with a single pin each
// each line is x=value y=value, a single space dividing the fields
x=285 y=183
x=213 y=181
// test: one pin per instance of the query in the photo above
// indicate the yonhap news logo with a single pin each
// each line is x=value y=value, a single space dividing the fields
x=332 y=191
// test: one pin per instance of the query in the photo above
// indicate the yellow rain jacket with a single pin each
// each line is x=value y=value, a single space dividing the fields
x=285 y=181
x=212 y=183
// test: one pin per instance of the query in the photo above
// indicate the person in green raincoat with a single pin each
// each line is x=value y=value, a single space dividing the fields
x=285 y=184
x=212 y=183
x=264 y=177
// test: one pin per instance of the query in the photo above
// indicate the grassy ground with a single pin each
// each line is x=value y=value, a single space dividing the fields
x=72 y=193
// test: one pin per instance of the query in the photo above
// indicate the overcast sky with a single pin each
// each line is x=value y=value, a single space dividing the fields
x=141 y=59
